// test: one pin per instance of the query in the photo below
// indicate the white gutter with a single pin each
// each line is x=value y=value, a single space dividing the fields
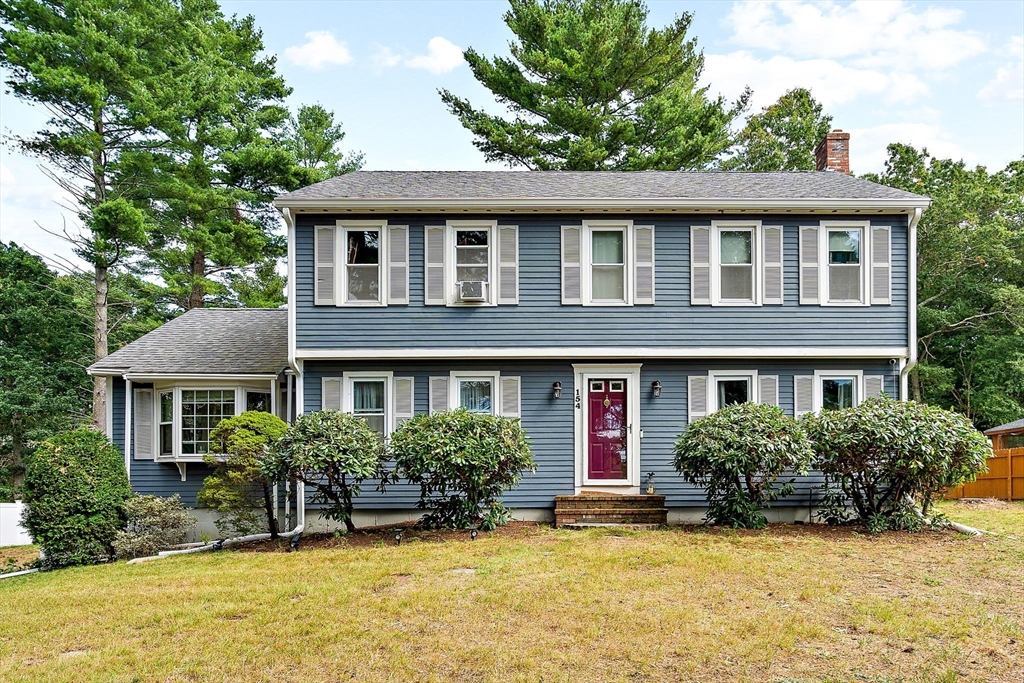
x=583 y=204
x=911 y=303
x=150 y=376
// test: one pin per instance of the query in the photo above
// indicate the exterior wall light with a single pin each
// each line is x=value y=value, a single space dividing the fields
x=557 y=388
x=657 y=389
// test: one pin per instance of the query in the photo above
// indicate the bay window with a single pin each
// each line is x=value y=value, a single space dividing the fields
x=201 y=411
x=166 y=424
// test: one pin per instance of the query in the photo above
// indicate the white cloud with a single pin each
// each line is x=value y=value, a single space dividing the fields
x=865 y=33
x=320 y=49
x=831 y=82
x=442 y=56
x=384 y=58
x=1008 y=83
x=867 y=145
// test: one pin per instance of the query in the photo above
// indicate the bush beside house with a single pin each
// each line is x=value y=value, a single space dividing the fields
x=462 y=463
x=76 y=488
x=737 y=454
x=154 y=524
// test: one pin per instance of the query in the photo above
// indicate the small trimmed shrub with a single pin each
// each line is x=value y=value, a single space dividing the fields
x=333 y=453
x=884 y=457
x=462 y=462
x=237 y=488
x=737 y=455
x=75 y=489
x=154 y=524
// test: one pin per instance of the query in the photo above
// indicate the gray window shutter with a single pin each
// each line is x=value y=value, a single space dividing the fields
x=803 y=394
x=433 y=277
x=398 y=264
x=768 y=389
x=510 y=397
x=404 y=399
x=874 y=386
x=572 y=266
x=881 y=265
x=773 y=265
x=324 y=257
x=700 y=266
x=696 y=397
x=438 y=394
x=809 y=266
x=508 y=265
x=643 y=257
x=331 y=393
x=142 y=407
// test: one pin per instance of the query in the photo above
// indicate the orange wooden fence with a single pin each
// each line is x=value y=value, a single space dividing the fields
x=1005 y=478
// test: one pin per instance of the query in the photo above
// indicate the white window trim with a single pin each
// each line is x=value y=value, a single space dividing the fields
x=587 y=265
x=450 y=286
x=158 y=394
x=453 y=387
x=715 y=375
x=389 y=391
x=341 y=263
x=756 y=257
x=858 y=383
x=865 y=262
x=583 y=375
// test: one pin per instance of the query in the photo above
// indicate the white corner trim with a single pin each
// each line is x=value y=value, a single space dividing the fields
x=289 y=221
x=129 y=428
x=110 y=407
x=611 y=352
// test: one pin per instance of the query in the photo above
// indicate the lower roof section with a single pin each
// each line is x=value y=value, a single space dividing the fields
x=618 y=352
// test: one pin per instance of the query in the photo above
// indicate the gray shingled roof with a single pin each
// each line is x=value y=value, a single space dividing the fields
x=1019 y=424
x=583 y=185
x=208 y=341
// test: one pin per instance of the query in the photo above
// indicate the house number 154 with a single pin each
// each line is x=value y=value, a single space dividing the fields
x=579 y=401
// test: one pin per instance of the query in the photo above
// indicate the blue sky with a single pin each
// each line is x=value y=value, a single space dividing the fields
x=945 y=75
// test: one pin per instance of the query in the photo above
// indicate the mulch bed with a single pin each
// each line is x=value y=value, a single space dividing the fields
x=378 y=536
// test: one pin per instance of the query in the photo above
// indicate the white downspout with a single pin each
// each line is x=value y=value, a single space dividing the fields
x=911 y=303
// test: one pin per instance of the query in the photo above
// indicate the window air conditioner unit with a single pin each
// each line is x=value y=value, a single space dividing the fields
x=472 y=291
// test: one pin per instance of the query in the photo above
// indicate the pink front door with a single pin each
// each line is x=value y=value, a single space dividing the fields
x=606 y=433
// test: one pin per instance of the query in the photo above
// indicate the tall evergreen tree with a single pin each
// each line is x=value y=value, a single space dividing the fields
x=314 y=138
x=782 y=136
x=591 y=87
x=91 y=64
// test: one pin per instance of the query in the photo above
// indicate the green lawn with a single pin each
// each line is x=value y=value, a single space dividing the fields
x=788 y=604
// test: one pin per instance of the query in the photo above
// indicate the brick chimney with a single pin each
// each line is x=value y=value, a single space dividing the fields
x=833 y=152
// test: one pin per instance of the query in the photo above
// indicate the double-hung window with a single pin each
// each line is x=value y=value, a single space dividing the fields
x=845 y=263
x=736 y=263
x=381 y=399
x=845 y=271
x=476 y=394
x=608 y=263
x=834 y=390
x=361 y=263
x=369 y=398
x=481 y=392
x=362 y=266
x=707 y=393
x=471 y=263
x=166 y=424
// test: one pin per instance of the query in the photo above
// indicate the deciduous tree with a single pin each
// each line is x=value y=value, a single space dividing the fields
x=782 y=136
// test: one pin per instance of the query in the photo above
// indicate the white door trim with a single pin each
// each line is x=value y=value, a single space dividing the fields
x=631 y=373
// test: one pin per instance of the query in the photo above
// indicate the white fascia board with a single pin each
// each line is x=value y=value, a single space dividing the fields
x=147 y=377
x=434 y=205
x=607 y=352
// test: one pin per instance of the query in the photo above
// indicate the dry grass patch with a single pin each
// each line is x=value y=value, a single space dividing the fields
x=990 y=514
x=15 y=557
x=787 y=604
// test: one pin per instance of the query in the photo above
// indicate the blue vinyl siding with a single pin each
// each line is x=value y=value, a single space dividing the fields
x=549 y=422
x=540 y=319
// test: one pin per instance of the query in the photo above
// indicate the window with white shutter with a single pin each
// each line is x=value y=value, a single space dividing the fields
x=508 y=265
x=803 y=394
x=330 y=388
x=773 y=269
x=809 y=267
x=438 y=390
x=324 y=265
x=398 y=265
x=142 y=407
x=700 y=266
x=696 y=397
x=881 y=265
x=433 y=278
x=643 y=257
x=511 y=404
x=405 y=399
x=572 y=268
x=768 y=389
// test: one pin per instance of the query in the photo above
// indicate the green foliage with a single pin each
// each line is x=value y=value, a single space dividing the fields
x=883 y=455
x=970 y=286
x=783 y=136
x=333 y=453
x=261 y=287
x=313 y=137
x=44 y=344
x=154 y=524
x=463 y=462
x=590 y=87
x=75 y=489
x=237 y=488
x=737 y=454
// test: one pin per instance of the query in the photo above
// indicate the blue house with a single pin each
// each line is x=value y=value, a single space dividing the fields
x=606 y=310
